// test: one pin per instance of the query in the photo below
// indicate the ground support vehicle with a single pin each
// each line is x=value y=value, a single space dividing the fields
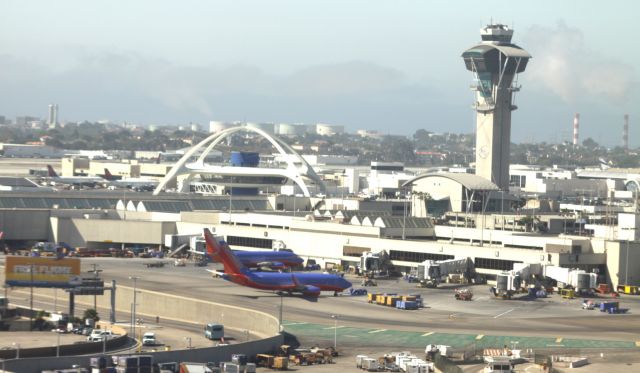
x=463 y=294
x=156 y=264
x=588 y=304
x=628 y=289
x=567 y=293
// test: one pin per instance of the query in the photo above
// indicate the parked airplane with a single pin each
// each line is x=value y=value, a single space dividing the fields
x=73 y=180
x=309 y=284
x=268 y=258
x=132 y=182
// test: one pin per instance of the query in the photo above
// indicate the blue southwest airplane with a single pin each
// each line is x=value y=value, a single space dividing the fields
x=267 y=258
x=308 y=284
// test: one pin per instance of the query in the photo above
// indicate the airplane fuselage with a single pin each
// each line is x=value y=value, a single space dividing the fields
x=285 y=281
x=255 y=258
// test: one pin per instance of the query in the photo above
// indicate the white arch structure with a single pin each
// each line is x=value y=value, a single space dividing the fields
x=294 y=172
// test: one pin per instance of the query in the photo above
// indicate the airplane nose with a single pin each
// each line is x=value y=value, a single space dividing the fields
x=346 y=284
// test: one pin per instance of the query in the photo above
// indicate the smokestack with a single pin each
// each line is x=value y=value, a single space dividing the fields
x=625 y=133
x=576 y=129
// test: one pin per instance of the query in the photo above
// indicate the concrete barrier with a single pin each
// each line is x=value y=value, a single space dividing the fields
x=196 y=355
x=176 y=308
x=194 y=311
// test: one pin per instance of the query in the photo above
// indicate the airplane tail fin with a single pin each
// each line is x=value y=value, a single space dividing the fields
x=51 y=171
x=221 y=253
x=107 y=174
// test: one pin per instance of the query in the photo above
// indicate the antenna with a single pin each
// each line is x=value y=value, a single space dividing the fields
x=625 y=133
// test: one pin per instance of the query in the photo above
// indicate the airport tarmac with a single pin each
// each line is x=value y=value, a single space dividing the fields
x=548 y=317
x=545 y=323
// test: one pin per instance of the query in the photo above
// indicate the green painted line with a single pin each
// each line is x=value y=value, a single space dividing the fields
x=377 y=331
x=419 y=339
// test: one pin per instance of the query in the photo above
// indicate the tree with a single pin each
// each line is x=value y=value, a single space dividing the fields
x=91 y=314
x=590 y=143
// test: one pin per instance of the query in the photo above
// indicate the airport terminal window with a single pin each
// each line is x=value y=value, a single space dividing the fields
x=410 y=256
x=488 y=263
x=249 y=242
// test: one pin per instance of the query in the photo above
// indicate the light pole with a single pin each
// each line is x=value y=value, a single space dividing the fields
x=280 y=318
x=404 y=218
x=57 y=344
x=30 y=299
x=133 y=306
x=335 y=332
x=626 y=265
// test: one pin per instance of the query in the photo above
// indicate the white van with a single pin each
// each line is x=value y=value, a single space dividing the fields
x=98 y=335
x=149 y=339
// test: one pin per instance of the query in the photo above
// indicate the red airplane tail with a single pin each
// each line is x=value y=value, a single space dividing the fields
x=221 y=253
x=51 y=171
x=107 y=174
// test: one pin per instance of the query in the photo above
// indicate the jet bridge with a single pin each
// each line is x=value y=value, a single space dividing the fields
x=581 y=281
x=510 y=282
x=431 y=272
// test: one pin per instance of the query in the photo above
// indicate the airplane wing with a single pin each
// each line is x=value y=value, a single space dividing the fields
x=216 y=273
x=307 y=290
x=272 y=265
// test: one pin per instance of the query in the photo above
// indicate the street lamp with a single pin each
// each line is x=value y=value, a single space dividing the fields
x=626 y=265
x=280 y=316
x=335 y=332
x=17 y=347
x=133 y=306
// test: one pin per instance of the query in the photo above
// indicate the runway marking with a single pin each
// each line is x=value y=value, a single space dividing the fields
x=427 y=334
x=377 y=331
x=504 y=313
x=294 y=323
x=480 y=336
x=335 y=327
x=559 y=340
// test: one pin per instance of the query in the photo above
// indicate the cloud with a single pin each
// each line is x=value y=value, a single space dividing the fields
x=564 y=64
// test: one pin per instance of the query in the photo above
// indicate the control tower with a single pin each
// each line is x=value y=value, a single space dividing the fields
x=495 y=64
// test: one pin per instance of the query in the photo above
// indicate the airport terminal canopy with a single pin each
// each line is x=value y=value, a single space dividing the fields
x=456 y=192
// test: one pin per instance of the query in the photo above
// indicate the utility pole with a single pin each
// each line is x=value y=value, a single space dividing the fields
x=335 y=332
x=31 y=298
x=133 y=306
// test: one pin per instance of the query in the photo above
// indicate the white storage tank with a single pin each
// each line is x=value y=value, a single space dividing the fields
x=328 y=129
x=286 y=129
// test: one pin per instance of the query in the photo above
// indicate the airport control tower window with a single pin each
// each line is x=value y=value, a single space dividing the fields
x=485 y=84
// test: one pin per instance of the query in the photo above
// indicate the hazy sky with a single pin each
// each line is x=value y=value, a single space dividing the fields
x=392 y=66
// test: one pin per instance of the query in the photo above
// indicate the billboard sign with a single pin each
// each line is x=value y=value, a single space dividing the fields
x=42 y=272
